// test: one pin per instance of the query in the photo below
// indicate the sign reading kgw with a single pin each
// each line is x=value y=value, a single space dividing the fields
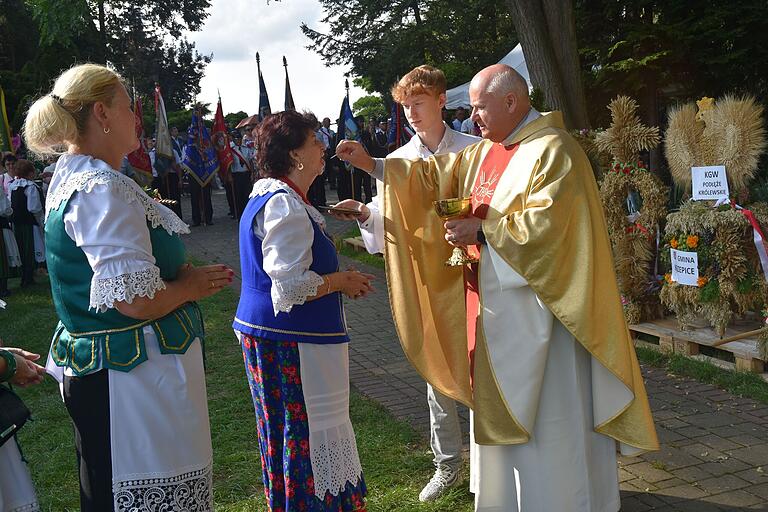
x=710 y=182
x=685 y=267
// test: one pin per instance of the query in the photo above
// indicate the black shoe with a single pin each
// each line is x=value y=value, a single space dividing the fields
x=4 y=293
x=195 y=225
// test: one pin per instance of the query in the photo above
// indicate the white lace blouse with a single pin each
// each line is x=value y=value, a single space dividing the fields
x=107 y=218
x=286 y=232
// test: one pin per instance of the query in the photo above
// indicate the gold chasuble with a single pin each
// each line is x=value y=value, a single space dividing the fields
x=545 y=221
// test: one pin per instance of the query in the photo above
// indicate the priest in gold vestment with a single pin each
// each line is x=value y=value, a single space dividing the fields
x=532 y=338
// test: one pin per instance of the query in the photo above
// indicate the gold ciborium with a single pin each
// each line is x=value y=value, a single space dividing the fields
x=455 y=208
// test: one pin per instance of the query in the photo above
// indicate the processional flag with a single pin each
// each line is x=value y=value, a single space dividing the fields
x=199 y=155
x=399 y=130
x=220 y=139
x=6 y=143
x=347 y=124
x=289 y=104
x=139 y=158
x=346 y=129
x=264 y=108
x=164 y=158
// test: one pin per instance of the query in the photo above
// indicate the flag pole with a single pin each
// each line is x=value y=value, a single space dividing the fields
x=231 y=174
x=166 y=185
x=352 y=170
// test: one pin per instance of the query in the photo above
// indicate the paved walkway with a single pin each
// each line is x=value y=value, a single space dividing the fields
x=714 y=454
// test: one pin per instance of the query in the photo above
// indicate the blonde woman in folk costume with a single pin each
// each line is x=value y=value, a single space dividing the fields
x=553 y=383
x=128 y=347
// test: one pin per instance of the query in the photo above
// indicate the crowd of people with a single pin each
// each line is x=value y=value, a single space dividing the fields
x=515 y=336
x=22 y=246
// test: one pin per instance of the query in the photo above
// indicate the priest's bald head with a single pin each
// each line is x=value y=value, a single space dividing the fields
x=499 y=99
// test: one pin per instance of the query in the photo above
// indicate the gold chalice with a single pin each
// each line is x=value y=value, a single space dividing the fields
x=455 y=208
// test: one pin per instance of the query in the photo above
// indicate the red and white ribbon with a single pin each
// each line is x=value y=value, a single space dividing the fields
x=757 y=234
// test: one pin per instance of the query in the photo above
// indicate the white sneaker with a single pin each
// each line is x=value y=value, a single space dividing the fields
x=444 y=478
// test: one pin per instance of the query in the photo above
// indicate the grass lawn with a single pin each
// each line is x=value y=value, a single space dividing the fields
x=375 y=260
x=396 y=461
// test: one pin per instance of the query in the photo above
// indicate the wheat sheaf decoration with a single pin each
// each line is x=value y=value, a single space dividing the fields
x=728 y=132
x=633 y=233
x=731 y=282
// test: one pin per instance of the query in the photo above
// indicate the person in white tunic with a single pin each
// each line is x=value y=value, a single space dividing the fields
x=128 y=347
x=17 y=493
x=539 y=347
x=422 y=93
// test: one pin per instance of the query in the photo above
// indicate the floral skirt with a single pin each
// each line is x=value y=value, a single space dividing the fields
x=275 y=378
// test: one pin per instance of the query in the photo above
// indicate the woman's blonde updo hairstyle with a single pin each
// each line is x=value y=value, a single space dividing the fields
x=61 y=116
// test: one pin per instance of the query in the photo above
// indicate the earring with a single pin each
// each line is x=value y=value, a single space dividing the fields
x=301 y=166
x=107 y=130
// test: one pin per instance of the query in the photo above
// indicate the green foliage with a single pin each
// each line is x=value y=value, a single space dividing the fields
x=710 y=292
x=371 y=106
x=234 y=117
x=746 y=285
x=41 y=38
x=671 y=49
x=382 y=41
x=745 y=384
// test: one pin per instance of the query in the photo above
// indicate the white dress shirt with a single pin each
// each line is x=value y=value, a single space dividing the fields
x=287 y=236
x=107 y=217
x=372 y=230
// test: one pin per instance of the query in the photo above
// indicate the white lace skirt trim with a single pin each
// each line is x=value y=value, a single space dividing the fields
x=332 y=444
x=294 y=291
x=161 y=438
x=124 y=288
x=335 y=461
x=31 y=507
x=189 y=492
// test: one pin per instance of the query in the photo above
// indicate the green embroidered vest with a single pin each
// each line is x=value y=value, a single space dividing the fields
x=86 y=340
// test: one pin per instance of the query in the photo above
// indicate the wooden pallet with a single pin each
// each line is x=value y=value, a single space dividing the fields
x=356 y=244
x=673 y=339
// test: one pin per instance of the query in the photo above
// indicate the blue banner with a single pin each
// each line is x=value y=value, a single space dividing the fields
x=264 y=108
x=348 y=122
x=199 y=154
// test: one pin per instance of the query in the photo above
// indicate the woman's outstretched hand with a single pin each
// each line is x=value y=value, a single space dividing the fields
x=352 y=283
x=202 y=282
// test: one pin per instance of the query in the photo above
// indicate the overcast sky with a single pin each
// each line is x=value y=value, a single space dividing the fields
x=236 y=29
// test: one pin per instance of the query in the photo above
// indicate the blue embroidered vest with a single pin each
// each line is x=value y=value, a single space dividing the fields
x=87 y=341
x=316 y=321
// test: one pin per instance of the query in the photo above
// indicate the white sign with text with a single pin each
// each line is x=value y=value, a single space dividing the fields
x=710 y=182
x=685 y=267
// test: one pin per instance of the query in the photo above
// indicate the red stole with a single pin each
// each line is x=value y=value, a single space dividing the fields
x=487 y=179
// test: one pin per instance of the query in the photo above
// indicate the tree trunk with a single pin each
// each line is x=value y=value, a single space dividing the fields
x=562 y=34
x=549 y=45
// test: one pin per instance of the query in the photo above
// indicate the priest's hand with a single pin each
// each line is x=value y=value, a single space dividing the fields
x=350 y=204
x=462 y=232
x=353 y=152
